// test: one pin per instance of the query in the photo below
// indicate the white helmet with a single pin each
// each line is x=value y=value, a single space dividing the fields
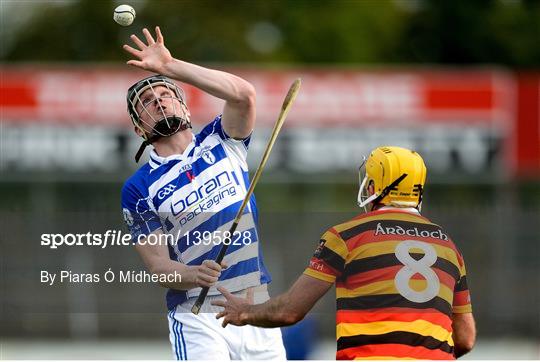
x=165 y=126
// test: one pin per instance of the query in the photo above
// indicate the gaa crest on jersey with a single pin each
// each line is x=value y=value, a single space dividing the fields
x=319 y=249
x=128 y=218
x=165 y=191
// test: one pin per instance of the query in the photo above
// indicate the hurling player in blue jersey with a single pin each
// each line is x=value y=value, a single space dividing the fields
x=189 y=192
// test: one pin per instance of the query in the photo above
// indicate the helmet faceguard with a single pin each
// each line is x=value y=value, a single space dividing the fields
x=165 y=125
x=363 y=195
x=397 y=175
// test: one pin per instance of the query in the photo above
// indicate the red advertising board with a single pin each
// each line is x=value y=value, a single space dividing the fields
x=329 y=96
x=528 y=124
x=489 y=99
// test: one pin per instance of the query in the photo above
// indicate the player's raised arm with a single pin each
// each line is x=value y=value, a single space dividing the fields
x=283 y=310
x=158 y=262
x=239 y=95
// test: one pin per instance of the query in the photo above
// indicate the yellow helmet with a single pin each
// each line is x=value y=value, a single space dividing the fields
x=398 y=176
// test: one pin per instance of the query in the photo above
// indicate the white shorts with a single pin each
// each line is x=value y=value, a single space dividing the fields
x=201 y=337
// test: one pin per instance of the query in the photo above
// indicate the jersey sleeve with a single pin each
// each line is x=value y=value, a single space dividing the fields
x=328 y=261
x=236 y=148
x=462 y=297
x=139 y=215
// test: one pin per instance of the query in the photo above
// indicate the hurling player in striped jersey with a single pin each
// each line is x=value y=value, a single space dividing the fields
x=401 y=285
x=189 y=192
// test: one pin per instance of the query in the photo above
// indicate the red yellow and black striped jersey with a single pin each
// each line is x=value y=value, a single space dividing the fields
x=399 y=278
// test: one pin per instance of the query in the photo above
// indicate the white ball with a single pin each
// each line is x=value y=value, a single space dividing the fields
x=124 y=15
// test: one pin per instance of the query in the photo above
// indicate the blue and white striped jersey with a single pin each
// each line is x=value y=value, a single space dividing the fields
x=194 y=198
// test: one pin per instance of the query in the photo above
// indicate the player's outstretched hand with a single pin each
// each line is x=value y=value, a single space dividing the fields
x=208 y=273
x=235 y=308
x=152 y=56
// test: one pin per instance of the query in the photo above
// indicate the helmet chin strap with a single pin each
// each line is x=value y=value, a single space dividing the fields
x=165 y=127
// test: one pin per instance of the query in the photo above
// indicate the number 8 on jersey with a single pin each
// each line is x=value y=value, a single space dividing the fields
x=412 y=266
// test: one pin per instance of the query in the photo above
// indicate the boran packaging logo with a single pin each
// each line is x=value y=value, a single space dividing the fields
x=206 y=196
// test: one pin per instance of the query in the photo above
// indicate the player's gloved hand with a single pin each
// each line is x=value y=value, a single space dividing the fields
x=152 y=56
x=208 y=273
x=235 y=308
